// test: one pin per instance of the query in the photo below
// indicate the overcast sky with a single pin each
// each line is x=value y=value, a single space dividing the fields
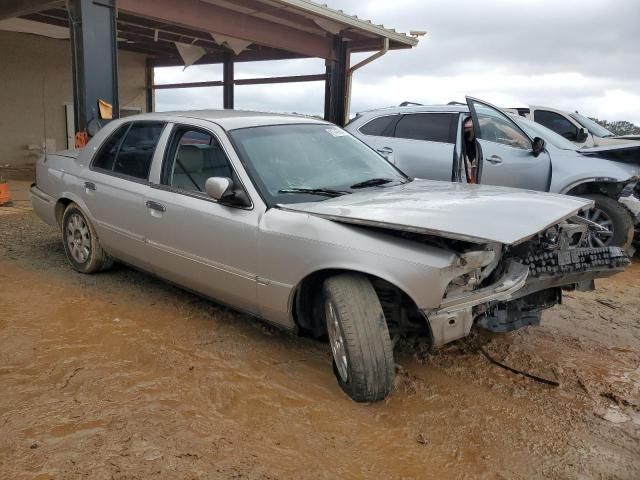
x=571 y=54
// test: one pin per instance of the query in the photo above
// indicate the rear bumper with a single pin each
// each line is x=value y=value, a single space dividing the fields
x=44 y=205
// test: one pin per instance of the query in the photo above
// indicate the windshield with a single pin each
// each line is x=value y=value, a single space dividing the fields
x=285 y=159
x=593 y=127
x=534 y=129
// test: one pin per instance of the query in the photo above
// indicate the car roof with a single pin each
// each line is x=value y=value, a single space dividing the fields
x=417 y=109
x=230 y=119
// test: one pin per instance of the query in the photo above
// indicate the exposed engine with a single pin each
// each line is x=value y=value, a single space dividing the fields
x=555 y=263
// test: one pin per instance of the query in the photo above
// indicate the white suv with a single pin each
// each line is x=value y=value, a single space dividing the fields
x=575 y=127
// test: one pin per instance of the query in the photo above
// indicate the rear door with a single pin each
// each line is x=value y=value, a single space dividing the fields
x=116 y=187
x=376 y=133
x=422 y=144
x=506 y=155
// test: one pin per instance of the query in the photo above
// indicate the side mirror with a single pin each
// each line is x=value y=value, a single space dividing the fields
x=221 y=189
x=218 y=187
x=582 y=136
x=538 y=146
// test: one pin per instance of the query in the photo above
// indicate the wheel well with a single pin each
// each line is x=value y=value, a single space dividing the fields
x=401 y=312
x=610 y=189
x=61 y=206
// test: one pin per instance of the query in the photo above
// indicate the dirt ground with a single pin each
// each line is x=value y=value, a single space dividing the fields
x=120 y=375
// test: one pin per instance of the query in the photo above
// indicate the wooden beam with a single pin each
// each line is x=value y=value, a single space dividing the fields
x=211 y=18
x=244 y=81
x=373 y=44
x=18 y=8
x=291 y=79
x=258 y=55
x=169 y=86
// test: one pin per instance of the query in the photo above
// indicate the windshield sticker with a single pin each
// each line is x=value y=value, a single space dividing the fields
x=336 y=132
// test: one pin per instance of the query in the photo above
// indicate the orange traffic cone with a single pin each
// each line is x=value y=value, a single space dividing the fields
x=5 y=195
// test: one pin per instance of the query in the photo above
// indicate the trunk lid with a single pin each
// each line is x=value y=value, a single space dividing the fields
x=476 y=213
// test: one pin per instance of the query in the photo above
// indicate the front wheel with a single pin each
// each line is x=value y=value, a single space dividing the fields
x=616 y=222
x=360 y=344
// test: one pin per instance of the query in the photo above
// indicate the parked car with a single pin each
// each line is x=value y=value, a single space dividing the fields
x=575 y=127
x=295 y=221
x=428 y=142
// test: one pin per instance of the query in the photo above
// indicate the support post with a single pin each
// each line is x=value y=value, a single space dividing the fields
x=94 y=52
x=228 y=81
x=336 y=84
x=148 y=85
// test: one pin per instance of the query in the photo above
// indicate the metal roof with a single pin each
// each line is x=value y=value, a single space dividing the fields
x=350 y=20
x=270 y=29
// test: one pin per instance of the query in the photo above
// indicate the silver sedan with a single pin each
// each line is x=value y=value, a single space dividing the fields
x=295 y=221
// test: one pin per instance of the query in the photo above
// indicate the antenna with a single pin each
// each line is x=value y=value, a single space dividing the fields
x=44 y=117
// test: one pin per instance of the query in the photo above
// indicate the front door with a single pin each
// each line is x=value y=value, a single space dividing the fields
x=193 y=240
x=506 y=154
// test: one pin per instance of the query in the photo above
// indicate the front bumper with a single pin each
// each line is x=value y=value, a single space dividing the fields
x=524 y=276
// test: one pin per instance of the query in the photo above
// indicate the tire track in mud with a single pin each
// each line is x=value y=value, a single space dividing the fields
x=120 y=375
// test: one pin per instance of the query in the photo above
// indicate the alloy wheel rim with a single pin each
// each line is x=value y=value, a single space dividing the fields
x=599 y=238
x=338 y=348
x=78 y=238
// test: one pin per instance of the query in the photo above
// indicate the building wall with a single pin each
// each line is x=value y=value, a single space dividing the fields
x=35 y=83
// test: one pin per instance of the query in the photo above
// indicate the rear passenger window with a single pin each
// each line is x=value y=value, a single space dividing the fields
x=129 y=151
x=433 y=127
x=377 y=126
x=136 y=153
x=194 y=157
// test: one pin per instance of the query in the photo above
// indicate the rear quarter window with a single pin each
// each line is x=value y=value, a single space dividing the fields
x=379 y=127
x=106 y=157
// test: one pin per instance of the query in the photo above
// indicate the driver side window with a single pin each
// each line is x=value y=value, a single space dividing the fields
x=495 y=128
x=557 y=123
x=194 y=156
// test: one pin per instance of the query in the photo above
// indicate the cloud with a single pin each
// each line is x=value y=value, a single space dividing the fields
x=574 y=54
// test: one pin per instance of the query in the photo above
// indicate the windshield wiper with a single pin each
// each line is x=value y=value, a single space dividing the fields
x=315 y=191
x=372 y=182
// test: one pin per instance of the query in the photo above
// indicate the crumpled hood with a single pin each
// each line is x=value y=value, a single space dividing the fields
x=627 y=152
x=477 y=213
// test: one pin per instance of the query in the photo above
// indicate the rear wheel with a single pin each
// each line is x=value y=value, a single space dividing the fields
x=615 y=220
x=81 y=245
x=360 y=344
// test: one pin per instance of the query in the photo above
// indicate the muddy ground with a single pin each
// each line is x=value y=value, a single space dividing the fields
x=120 y=375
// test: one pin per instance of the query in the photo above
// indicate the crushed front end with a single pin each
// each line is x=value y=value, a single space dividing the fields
x=511 y=291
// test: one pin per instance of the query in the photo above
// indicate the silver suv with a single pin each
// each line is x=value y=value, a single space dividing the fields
x=429 y=142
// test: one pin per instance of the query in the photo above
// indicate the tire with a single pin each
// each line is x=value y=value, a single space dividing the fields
x=81 y=244
x=619 y=219
x=359 y=338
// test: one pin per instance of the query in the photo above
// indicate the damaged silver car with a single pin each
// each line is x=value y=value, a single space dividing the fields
x=295 y=221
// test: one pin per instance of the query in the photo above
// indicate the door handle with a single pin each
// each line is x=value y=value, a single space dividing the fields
x=156 y=206
x=90 y=186
x=495 y=159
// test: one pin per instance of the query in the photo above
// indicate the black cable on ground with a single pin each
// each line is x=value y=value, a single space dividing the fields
x=553 y=383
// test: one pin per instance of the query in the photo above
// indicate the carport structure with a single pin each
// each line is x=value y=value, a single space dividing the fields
x=210 y=32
